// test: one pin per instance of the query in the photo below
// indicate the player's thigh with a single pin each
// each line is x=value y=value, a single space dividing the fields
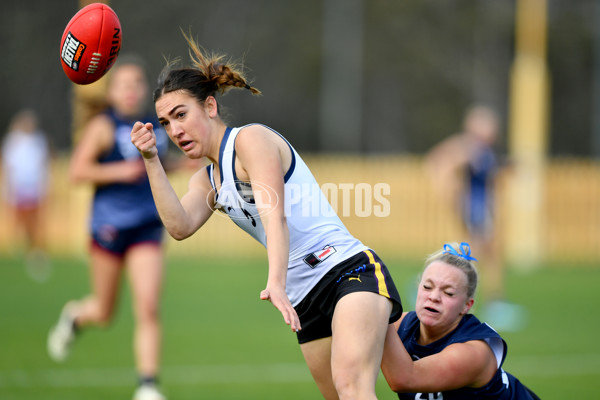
x=359 y=327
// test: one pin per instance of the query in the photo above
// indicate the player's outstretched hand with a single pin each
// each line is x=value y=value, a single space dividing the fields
x=143 y=137
x=279 y=299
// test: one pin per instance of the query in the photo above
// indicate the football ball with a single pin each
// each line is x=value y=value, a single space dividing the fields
x=90 y=43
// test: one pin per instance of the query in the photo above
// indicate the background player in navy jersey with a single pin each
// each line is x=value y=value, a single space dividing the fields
x=465 y=168
x=440 y=350
x=125 y=226
x=330 y=288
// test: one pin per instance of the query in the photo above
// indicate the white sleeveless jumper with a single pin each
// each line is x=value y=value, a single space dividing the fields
x=318 y=238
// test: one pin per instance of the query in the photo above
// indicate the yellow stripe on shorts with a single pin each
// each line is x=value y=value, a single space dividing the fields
x=378 y=274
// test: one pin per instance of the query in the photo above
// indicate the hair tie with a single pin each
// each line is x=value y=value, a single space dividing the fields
x=247 y=87
x=464 y=248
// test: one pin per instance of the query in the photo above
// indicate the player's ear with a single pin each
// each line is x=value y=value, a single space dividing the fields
x=468 y=306
x=211 y=106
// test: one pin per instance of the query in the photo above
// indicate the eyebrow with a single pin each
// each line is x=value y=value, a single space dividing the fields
x=173 y=110
x=443 y=286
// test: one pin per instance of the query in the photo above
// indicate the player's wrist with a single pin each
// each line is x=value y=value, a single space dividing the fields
x=150 y=156
x=275 y=284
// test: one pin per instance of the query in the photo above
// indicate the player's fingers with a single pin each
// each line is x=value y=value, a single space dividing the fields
x=285 y=316
x=294 y=320
x=144 y=142
x=290 y=316
x=296 y=324
x=138 y=132
x=283 y=309
x=264 y=295
x=137 y=127
x=142 y=137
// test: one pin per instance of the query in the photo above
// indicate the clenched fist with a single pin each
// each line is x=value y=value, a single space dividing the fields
x=144 y=139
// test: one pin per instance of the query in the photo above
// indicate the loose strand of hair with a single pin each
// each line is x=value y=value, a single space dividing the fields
x=225 y=74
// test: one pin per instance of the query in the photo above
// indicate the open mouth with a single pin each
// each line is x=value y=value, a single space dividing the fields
x=185 y=144
x=433 y=310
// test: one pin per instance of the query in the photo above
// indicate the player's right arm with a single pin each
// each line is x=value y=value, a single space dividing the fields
x=469 y=364
x=97 y=139
x=181 y=218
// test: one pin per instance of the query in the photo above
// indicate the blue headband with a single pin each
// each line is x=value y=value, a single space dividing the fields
x=464 y=248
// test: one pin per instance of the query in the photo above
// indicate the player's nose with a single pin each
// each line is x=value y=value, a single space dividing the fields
x=176 y=130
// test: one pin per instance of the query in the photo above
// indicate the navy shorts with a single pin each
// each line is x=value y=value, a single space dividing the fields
x=118 y=241
x=363 y=272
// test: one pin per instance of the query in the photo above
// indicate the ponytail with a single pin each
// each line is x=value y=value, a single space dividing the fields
x=210 y=74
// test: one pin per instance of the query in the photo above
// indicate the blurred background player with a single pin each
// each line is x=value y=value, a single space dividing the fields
x=125 y=227
x=26 y=167
x=440 y=350
x=465 y=167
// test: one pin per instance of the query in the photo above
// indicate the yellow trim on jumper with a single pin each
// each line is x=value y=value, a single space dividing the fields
x=379 y=274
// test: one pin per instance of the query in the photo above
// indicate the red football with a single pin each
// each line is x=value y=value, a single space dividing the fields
x=90 y=43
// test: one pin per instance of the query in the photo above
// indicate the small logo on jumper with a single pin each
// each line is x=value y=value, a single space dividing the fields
x=72 y=51
x=314 y=259
x=355 y=271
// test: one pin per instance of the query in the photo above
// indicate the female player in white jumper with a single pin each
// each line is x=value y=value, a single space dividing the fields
x=332 y=290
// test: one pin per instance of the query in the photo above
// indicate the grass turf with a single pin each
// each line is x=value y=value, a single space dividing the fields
x=222 y=342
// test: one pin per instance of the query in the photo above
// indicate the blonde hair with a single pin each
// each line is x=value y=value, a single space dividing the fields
x=459 y=261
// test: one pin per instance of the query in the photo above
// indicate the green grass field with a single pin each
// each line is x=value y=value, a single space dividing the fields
x=222 y=342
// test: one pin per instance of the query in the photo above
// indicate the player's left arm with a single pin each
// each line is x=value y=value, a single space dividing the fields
x=469 y=364
x=260 y=155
